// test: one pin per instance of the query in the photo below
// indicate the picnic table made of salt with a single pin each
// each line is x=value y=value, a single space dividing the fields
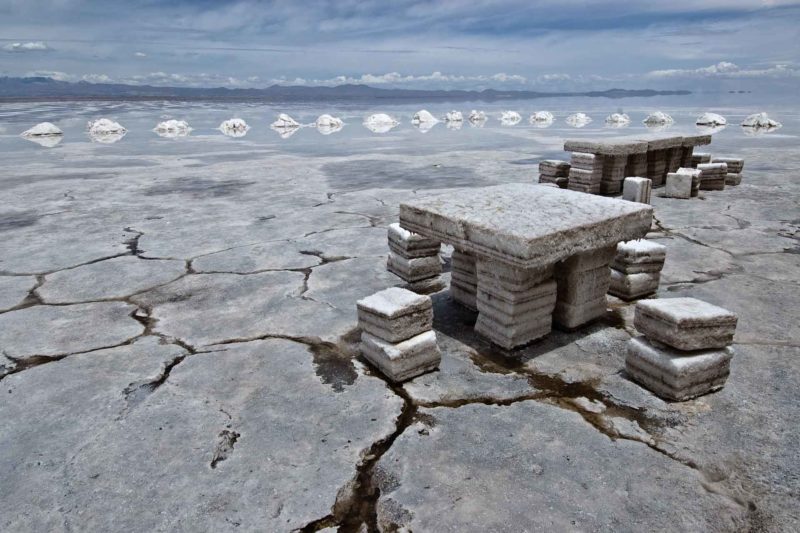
x=528 y=255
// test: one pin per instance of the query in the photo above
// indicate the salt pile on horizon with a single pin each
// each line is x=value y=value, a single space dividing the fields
x=761 y=122
x=284 y=121
x=327 y=124
x=454 y=116
x=172 y=129
x=711 y=119
x=510 y=118
x=105 y=131
x=477 y=118
x=659 y=118
x=43 y=129
x=542 y=119
x=578 y=120
x=234 y=127
x=380 y=123
x=618 y=120
x=424 y=120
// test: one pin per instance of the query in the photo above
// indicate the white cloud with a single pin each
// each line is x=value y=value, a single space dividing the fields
x=54 y=74
x=97 y=78
x=726 y=69
x=396 y=78
x=33 y=46
x=140 y=54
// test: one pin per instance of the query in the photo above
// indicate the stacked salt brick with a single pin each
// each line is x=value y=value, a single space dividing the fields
x=516 y=305
x=464 y=279
x=735 y=167
x=685 y=183
x=686 y=350
x=713 y=176
x=415 y=259
x=397 y=333
x=700 y=158
x=690 y=142
x=583 y=282
x=585 y=173
x=554 y=171
x=636 y=269
x=637 y=189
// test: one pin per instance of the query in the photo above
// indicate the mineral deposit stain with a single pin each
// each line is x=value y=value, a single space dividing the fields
x=333 y=368
x=199 y=187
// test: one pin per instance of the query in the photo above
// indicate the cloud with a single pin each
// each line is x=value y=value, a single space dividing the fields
x=726 y=69
x=53 y=74
x=398 y=79
x=140 y=54
x=32 y=46
x=97 y=78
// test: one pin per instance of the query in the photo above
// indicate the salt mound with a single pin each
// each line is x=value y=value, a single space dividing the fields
x=172 y=128
x=423 y=116
x=761 y=121
x=284 y=121
x=578 y=120
x=104 y=126
x=541 y=116
x=618 y=120
x=380 y=123
x=234 y=127
x=711 y=119
x=454 y=116
x=510 y=118
x=476 y=117
x=43 y=129
x=659 y=118
x=327 y=124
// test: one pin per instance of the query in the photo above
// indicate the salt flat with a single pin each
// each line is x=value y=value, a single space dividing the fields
x=178 y=337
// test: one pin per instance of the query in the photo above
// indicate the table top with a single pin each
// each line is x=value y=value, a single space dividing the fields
x=525 y=225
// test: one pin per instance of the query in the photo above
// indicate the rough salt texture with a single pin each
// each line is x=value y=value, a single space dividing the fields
x=676 y=375
x=82 y=446
x=679 y=185
x=395 y=314
x=623 y=146
x=403 y=360
x=685 y=323
x=526 y=225
x=486 y=467
x=14 y=289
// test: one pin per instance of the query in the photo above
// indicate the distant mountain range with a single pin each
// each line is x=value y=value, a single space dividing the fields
x=40 y=88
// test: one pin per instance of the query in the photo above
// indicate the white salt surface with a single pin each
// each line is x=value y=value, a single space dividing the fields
x=43 y=129
x=47 y=141
x=173 y=128
x=659 y=118
x=510 y=118
x=394 y=302
x=234 y=127
x=711 y=119
x=106 y=131
x=327 y=124
x=424 y=116
x=454 y=116
x=380 y=123
x=618 y=120
x=578 y=120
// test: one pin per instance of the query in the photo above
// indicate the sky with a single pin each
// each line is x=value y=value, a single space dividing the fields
x=701 y=45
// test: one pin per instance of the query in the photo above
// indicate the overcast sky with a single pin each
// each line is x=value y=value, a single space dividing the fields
x=508 y=44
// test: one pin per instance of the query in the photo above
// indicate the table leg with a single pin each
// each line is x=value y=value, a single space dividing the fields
x=515 y=306
x=464 y=279
x=583 y=281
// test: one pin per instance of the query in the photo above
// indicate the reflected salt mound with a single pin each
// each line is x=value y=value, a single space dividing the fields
x=327 y=124
x=454 y=124
x=542 y=119
x=285 y=126
x=477 y=119
x=578 y=120
x=47 y=141
x=105 y=131
x=711 y=119
x=380 y=123
x=618 y=120
x=454 y=116
x=510 y=118
x=172 y=129
x=44 y=134
x=234 y=127
x=710 y=130
x=658 y=121
x=423 y=120
x=759 y=123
